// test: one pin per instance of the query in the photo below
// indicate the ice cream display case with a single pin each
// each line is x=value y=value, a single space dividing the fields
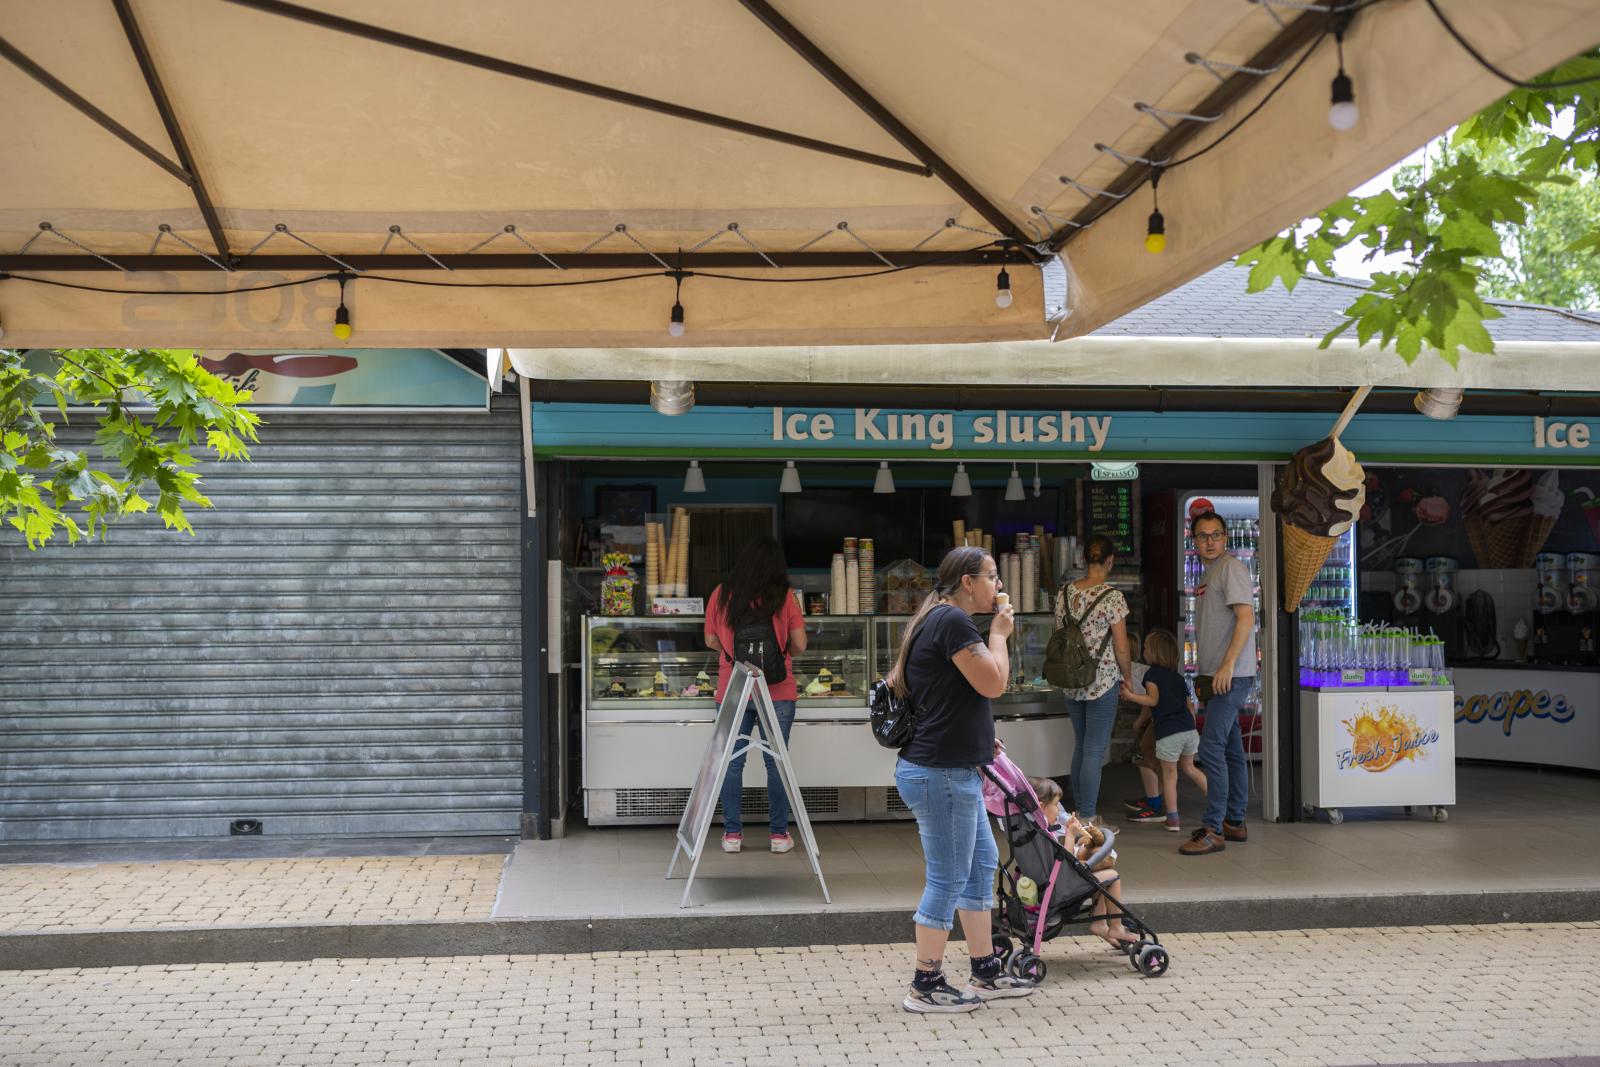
x=649 y=687
x=1030 y=718
x=1027 y=693
x=831 y=674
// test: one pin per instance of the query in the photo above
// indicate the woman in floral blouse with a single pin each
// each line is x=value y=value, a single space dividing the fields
x=1101 y=611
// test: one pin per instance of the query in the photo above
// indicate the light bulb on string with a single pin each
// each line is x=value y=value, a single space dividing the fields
x=341 y=317
x=1002 y=287
x=1155 y=236
x=1037 y=485
x=1342 y=112
x=675 y=326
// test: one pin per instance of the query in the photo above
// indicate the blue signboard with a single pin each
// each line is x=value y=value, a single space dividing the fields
x=839 y=433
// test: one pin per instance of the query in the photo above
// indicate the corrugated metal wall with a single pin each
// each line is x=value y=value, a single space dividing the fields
x=335 y=651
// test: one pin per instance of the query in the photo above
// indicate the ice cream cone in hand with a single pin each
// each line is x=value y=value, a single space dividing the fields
x=1318 y=496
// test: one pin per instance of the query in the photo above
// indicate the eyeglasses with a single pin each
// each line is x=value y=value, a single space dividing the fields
x=993 y=576
x=1211 y=536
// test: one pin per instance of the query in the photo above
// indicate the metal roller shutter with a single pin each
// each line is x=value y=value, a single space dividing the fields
x=336 y=651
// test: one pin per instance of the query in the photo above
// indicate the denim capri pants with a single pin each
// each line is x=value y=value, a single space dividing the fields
x=957 y=843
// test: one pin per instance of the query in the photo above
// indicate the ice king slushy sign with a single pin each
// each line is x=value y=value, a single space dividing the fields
x=938 y=431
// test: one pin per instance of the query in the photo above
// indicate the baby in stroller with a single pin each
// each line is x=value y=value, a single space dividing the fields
x=1075 y=883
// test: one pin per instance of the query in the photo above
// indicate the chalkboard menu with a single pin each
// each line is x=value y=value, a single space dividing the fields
x=1112 y=509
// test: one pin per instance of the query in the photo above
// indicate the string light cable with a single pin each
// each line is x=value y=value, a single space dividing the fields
x=1484 y=62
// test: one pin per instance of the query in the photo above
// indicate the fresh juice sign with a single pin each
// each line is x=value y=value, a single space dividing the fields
x=1382 y=737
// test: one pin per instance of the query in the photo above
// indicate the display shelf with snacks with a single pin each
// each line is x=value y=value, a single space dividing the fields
x=1027 y=686
x=649 y=686
x=644 y=661
x=833 y=668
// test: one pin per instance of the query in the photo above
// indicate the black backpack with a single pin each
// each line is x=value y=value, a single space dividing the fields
x=756 y=642
x=1067 y=662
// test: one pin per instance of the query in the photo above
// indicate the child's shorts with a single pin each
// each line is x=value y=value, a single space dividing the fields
x=1169 y=748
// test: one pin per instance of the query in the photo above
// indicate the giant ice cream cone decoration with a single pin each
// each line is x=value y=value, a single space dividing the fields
x=1508 y=515
x=1318 y=497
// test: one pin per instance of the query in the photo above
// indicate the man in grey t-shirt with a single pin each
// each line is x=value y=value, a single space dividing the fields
x=1225 y=640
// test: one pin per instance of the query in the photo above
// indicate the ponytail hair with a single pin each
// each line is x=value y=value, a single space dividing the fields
x=1099 y=551
x=958 y=563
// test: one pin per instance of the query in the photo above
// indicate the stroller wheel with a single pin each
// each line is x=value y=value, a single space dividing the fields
x=1002 y=947
x=1028 y=966
x=1133 y=949
x=1152 y=961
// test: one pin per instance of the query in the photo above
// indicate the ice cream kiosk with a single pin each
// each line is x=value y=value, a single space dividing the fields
x=1375 y=705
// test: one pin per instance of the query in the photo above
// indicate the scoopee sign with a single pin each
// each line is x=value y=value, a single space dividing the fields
x=1529 y=716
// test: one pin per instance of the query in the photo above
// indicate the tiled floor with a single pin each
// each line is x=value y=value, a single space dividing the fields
x=1513 y=829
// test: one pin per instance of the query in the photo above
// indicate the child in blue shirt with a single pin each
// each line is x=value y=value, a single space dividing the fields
x=1166 y=701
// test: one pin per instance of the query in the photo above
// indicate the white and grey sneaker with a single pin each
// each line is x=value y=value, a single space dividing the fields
x=941 y=999
x=1001 y=985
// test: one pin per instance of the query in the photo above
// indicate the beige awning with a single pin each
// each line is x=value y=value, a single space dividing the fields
x=338 y=138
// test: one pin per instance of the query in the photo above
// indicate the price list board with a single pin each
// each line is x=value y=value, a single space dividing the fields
x=1112 y=509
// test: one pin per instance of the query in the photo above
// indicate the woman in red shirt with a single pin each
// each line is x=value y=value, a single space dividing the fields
x=757 y=590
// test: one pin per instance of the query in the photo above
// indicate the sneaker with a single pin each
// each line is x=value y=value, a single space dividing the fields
x=1147 y=814
x=732 y=842
x=1001 y=985
x=941 y=999
x=1234 y=831
x=782 y=842
x=1175 y=826
x=1135 y=803
x=1202 y=842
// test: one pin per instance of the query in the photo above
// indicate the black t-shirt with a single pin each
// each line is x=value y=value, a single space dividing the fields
x=953 y=725
x=1171 y=713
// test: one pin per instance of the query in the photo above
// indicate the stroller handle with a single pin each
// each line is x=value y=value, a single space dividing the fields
x=1104 y=850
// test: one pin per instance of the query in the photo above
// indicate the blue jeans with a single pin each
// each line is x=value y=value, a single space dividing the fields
x=1222 y=754
x=1091 y=725
x=733 y=784
x=957 y=844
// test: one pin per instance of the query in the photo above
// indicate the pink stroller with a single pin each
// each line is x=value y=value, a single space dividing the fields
x=1068 y=884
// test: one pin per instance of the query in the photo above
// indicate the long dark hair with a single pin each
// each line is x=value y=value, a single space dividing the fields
x=958 y=563
x=757 y=584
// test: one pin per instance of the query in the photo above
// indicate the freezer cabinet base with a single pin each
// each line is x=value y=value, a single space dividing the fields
x=1377 y=748
x=659 y=807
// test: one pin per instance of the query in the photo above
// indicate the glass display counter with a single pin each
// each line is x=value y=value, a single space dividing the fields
x=642 y=662
x=1028 y=642
x=649 y=699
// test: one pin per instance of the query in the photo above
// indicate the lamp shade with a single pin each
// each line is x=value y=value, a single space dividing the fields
x=961 y=485
x=672 y=397
x=694 y=481
x=1438 y=403
x=884 y=483
x=790 y=483
x=1014 y=485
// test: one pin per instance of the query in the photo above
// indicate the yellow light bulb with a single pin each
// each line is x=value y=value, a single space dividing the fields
x=341 y=330
x=1155 y=243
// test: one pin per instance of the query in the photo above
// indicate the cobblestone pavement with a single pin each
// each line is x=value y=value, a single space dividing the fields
x=122 y=896
x=1442 y=995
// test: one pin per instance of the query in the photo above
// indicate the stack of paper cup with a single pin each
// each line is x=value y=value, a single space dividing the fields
x=869 y=578
x=852 y=587
x=1030 y=580
x=958 y=531
x=836 y=586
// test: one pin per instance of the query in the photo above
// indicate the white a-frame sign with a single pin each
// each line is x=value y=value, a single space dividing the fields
x=746 y=684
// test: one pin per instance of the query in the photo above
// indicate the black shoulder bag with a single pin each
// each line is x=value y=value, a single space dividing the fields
x=891 y=715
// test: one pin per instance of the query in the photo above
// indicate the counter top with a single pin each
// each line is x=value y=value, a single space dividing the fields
x=1519 y=665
